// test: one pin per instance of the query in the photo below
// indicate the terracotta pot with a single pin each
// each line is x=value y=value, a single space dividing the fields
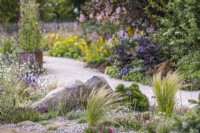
x=35 y=57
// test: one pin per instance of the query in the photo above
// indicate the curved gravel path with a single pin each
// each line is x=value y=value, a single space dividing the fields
x=65 y=69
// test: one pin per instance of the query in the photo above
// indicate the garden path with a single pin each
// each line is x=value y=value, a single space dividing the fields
x=65 y=70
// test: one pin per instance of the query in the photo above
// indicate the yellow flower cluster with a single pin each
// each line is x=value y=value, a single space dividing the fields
x=95 y=51
x=129 y=31
x=77 y=47
x=68 y=47
x=51 y=39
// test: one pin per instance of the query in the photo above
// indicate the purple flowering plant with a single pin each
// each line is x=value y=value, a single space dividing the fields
x=124 y=49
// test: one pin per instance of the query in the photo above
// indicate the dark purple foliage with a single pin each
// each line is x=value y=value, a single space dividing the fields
x=122 y=53
x=148 y=52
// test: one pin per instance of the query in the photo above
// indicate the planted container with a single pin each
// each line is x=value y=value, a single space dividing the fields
x=30 y=33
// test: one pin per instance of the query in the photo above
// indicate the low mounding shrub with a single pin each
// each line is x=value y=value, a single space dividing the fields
x=100 y=102
x=165 y=89
x=134 y=97
x=190 y=122
x=23 y=114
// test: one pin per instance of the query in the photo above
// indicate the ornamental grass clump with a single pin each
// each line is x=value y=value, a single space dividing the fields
x=165 y=89
x=100 y=102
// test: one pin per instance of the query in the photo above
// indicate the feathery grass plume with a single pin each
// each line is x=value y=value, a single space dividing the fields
x=99 y=103
x=165 y=89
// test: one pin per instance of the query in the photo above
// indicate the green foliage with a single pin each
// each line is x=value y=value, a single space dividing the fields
x=130 y=72
x=49 y=115
x=82 y=120
x=60 y=10
x=112 y=71
x=134 y=97
x=179 y=34
x=99 y=103
x=30 y=33
x=180 y=28
x=8 y=11
x=190 y=122
x=189 y=67
x=102 y=28
x=7 y=45
x=24 y=114
x=49 y=10
x=136 y=75
x=74 y=115
x=165 y=89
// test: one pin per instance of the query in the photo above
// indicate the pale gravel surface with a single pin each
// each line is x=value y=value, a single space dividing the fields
x=66 y=69
x=71 y=126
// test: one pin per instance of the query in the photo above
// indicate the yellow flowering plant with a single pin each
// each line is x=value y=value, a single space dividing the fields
x=96 y=51
x=50 y=39
x=67 y=47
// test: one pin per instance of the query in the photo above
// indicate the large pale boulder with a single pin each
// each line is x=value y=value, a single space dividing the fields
x=97 y=82
x=73 y=95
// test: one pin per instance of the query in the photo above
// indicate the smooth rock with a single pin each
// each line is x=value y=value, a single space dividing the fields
x=71 y=96
x=97 y=82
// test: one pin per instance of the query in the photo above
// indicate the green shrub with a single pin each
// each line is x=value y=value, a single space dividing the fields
x=134 y=97
x=99 y=103
x=190 y=68
x=74 y=115
x=135 y=75
x=112 y=71
x=190 y=122
x=49 y=115
x=24 y=114
x=179 y=38
x=165 y=89
x=180 y=28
